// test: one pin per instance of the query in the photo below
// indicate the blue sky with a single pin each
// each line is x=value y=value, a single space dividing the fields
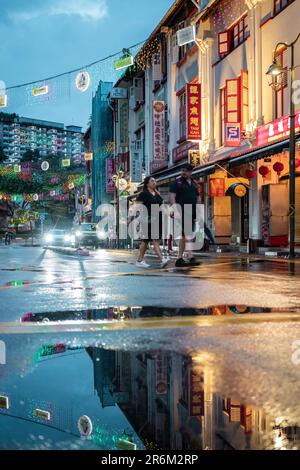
x=40 y=38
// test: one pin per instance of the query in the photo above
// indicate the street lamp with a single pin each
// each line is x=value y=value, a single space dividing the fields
x=276 y=71
x=116 y=179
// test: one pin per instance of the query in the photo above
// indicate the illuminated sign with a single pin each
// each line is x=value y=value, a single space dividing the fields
x=217 y=187
x=42 y=414
x=66 y=162
x=3 y=101
x=276 y=130
x=88 y=156
x=186 y=35
x=83 y=81
x=194 y=111
x=4 y=403
x=123 y=63
x=43 y=90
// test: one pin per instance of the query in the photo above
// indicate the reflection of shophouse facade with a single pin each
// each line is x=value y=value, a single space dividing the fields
x=235 y=41
x=169 y=401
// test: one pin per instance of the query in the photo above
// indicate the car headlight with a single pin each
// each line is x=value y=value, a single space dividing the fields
x=78 y=234
x=49 y=237
x=67 y=238
x=72 y=238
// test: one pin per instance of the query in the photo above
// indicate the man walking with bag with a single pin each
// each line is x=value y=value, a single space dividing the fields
x=184 y=191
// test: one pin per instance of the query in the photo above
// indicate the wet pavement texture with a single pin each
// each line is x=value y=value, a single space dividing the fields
x=192 y=358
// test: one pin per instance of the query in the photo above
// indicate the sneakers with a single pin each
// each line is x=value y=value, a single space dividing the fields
x=180 y=263
x=193 y=262
x=142 y=264
x=164 y=262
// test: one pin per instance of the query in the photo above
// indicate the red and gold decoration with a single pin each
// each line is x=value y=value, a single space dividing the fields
x=194 y=111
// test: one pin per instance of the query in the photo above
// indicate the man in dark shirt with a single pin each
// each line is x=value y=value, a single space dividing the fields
x=185 y=191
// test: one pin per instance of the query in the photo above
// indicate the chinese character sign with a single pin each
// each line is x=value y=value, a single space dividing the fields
x=159 y=131
x=193 y=111
x=217 y=187
x=196 y=393
x=110 y=186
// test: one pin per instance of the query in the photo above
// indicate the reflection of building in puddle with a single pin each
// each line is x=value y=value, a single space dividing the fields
x=170 y=403
x=126 y=313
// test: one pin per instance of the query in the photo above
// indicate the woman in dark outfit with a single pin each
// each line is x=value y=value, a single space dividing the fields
x=150 y=196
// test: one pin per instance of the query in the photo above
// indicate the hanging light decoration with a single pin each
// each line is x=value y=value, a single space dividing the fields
x=264 y=171
x=250 y=174
x=278 y=167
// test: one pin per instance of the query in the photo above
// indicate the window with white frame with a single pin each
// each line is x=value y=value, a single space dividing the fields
x=280 y=5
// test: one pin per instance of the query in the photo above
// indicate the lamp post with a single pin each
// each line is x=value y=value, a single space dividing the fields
x=276 y=71
x=116 y=179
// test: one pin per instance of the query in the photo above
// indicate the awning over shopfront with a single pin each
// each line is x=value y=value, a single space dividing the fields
x=232 y=159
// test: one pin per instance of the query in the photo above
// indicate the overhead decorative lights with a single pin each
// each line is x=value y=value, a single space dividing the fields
x=125 y=61
x=45 y=165
x=42 y=90
x=3 y=101
x=83 y=81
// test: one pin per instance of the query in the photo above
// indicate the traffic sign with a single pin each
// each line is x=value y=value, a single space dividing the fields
x=122 y=184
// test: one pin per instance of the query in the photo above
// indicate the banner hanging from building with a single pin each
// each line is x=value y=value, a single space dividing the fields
x=193 y=111
x=159 y=148
x=110 y=185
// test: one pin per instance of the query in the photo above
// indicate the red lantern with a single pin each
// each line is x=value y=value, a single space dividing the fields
x=264 y=171
x=250 y=174
x=297 y=164
x=278 y=167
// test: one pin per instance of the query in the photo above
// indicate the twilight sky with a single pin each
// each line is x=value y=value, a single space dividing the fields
x=41 y=38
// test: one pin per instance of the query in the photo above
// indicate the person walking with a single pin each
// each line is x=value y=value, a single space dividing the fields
x=185 y=191
x=149 y=196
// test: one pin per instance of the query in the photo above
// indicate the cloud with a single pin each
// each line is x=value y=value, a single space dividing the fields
x=85 y=9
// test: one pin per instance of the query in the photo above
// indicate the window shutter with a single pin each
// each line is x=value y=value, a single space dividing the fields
x=233 y=101
x=244 y=99
x=224 y=42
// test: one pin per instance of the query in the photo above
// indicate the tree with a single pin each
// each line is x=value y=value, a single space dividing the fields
x=31 y=156
x=3 y=156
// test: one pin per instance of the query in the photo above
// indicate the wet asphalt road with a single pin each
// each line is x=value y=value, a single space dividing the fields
x=36 y=280
x=252 y=357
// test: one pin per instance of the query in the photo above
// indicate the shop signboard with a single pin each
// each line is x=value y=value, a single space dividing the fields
x=276 y=130
x=158 y=116
x=110 y=186
x=181 y=152
x=195 y=157
x=136 y=167
x=194 y=111
x=233 y=135
x=124 y=123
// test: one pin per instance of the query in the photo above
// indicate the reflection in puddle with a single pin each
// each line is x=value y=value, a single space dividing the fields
x=129 y=400
x=124 y=312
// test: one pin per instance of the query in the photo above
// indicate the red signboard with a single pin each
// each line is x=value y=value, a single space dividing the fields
x=182 y=151
x=159 y=138
x=217 y=187
x=110 y=186
x=276 y=130
x=194 y=111
x=196 y=393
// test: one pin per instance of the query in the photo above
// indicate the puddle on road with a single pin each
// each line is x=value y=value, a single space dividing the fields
x=127 y=400
x=138 y=312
